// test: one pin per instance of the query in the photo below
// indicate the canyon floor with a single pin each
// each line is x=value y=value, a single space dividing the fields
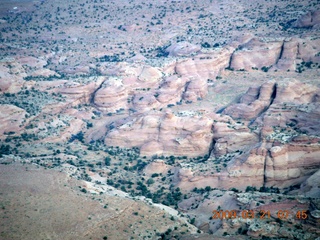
x=160 y=120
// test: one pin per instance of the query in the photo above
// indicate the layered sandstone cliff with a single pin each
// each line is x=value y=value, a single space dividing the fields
x=164 y=134
x=281 y=146
x=277 y=54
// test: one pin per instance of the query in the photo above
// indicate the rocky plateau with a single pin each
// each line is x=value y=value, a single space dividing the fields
x=150 y=116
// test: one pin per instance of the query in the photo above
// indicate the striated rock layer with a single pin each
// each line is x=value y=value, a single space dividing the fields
x=112 y=95
x=283 y=147
x=277 y=54
x=289 y=135
x=167 y=134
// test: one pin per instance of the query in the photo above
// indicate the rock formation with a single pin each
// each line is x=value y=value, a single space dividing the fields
x=188 y=106
x=182 y=49
x=144 y=102
x=164 y=134
x=287 y=59
x=284 y=157
x=256 y=54
x=111 y=96
x=11 y=118
x=310 y=187
x=172 y=89
x=310 y=19
x=279 y=148
x=253 y=103
x=277 y=54
x=206 y=65
x=78 y=92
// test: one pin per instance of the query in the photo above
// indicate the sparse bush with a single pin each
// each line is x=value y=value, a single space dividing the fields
x=107 y=161
x=234 y=189
x=265 y=69
x=155 y=175
x=251 y=189
x=206 y=45
x=150 y=181
x=79 y=136
x=161 y=52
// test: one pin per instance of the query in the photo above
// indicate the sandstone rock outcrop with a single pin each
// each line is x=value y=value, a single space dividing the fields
x=145 y=102
x=309 y=19
x=78 y=92
x=288 y=55
x=254 y=102
x=11 y=117
x=285 y=157
x=111 y=96
x=32 y=62
x=35 y=67
x=164 y=135
x=310 y=187
x=149 y=75
x=290 y=164
x=256 y=54
x=199 y=70
x=278 y=142
x=9 y=81
x=158 y=166
x=196 y=89
x=309 y=50
x=172 y=89
x=206 y=65
x=182 y=49
x=277 y=54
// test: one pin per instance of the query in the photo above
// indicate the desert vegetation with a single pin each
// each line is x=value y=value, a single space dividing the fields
x=146 y=116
